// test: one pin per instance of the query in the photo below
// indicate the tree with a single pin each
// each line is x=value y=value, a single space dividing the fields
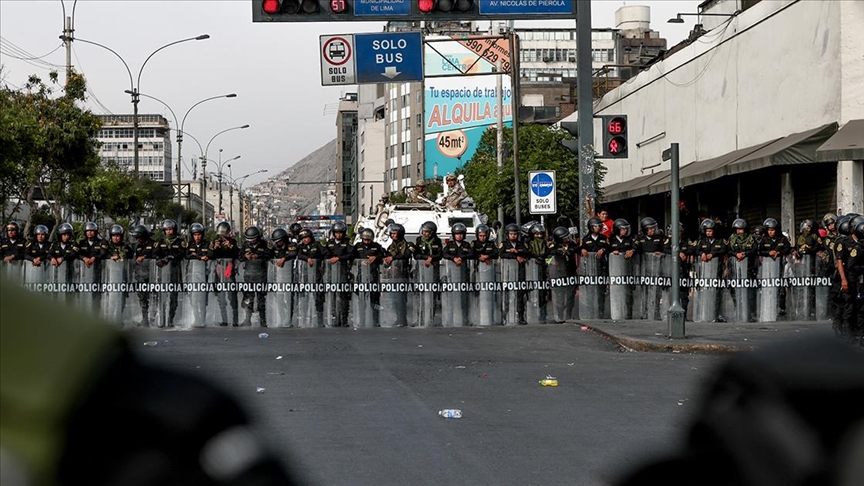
x=539 y=149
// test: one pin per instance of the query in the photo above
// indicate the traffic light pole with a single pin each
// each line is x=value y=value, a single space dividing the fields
x=585 y=100
x=676 y=312
x=514 y=76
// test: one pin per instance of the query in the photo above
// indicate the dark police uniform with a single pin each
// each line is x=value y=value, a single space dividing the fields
x=197 y=251
x=622 y=245
x=34 y=249
x=684 y=257
x=123 y=251
x=224 y=250
x=255 y=254
x=851 y=302
x=342 y=250
x=363 y=251
x=424 y=249
x=780 y=243
x=487 y=248
x=457 y=249
x=171 y=251
x=15 y=249
x=146 y=250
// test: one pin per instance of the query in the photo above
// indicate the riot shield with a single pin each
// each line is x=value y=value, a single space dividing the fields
x=768 y=300
x=167 y=293
x=620 y=287
x=802 y=291
x=537 y=293
x=394 y=294
x=307 y=311
x=454 y=296
x=338 y=295
x=563 y=291
x=654 y=269
x=364 y=298
x=224 y=280
x=13 y=271
x=425 y=294
x=36 y=276
x=280 y=303
x=823 y=289
x=142 y=309
x=485 y=308
x=90 y=278
x=742 y=289
x=512 y=306
x=705 y=301
x=592 y=288
x=115 y=276
x=195 y=302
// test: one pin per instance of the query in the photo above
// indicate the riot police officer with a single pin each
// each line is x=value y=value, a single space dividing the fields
x=92 y=248
x=399 y=248
x=281 y=304
x=484 y=250
x=13 y=247
x=621 y=252
x=775 y=245
x=169 y=251
x=397 y=270
x=339 y=254
x=649 y=240
x=850 y=266
x=145 y=248
x=742 y=252
x=198 y=248
x=38 y=251
x=224 y=250
x=808 y=242
x=684 y=259
x=707 y=248
x=428 y=246
x=282 y=250
x=512 y=248
x=117 y=248
x=457 y=249
x=64 y=250
x=255 y=253
x=294 y=232
x=369 y=250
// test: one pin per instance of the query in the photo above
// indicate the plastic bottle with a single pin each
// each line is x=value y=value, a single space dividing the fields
x=451 y=413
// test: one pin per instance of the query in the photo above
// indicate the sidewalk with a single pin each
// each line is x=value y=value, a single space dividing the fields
x=706 y=337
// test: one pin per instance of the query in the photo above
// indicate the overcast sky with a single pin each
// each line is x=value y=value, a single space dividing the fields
x=273 y=68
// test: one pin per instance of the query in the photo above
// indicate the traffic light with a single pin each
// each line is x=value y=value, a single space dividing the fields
x=309 y=10
x=445 y=6
x=614 y=136
x=572 y=128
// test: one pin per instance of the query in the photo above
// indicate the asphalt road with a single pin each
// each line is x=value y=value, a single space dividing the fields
x=360 y=407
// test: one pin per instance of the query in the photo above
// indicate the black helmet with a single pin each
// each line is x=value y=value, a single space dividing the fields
x=859 y=231
x=41 y=230
x=140 y=231
x=459 y=229
x=647 y=223
x=169 y=224
x=854 y=221
x=828 y=219
x=758 y=230
x=594 y=222
x=669 y=228
x=739 y=224
x=538 y=229
x=806 y=225
x=279 y=234
x=13 y=225
x=295 y=228
x=223 y=228
x=771 y=223
x=844 y=226
x=481 y=228
x=705 y=225
x=91 y=226
x=64 y=229
x=196 y=228
x=366 y=234
x=305 y=233
x=511 y=228
x=560 y=234
x=339 y=227
x=398 y=228
x=116 y=229
x=252 y=233
x=430 y=227
x=620 y=224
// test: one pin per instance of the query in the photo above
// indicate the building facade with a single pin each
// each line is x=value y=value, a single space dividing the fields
x=154 y=144
x=346 y=157
x=371 y=146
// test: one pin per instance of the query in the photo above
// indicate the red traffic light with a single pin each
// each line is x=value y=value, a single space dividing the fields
x=616 y=146
x=338 y=6
x=617 y=125
x=271 y=6
x=426 y=6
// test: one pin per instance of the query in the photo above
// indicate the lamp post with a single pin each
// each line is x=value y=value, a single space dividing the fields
x=241 y=179
x=135 y=91
x=204 y=172
x=221 y=165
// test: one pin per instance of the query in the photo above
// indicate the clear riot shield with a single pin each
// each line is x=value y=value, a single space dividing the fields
x=13 y=271
x=142 y=308
x=337 y=297
x=768 y=301
x=511 y=299
x=621 y=271
x=115 y=275
x=537 y=293
x=653 y=272
x=563 y=291
x=592 y=288
x=167 y=294
x=705 y=301
x=307 y=311
x=484 y=303
x=364 y=299
x=90 y=278
x=280 y=304
x=224 y=280
x=823 y=288
x=425 y=292
x=36 y=276
x=454 y=295
x=742 y=290
x=195 y=298
x=802 y=291
x=394 y=294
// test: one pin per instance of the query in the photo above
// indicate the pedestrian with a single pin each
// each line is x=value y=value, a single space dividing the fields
x=255 y=254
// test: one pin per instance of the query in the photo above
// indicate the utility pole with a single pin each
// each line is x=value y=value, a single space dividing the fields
x=68 y=37
x=514 y=77
x=676 y=312
x=585 y=99
x=500 y=134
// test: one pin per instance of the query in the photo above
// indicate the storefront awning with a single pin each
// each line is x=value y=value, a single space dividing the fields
x=632 y=188
x=846 y=144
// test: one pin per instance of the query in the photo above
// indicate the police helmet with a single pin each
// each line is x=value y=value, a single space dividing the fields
x=560 y=234
x=223 y=228
x=538 y=229
x=279 y=234
x=41 y=230
x=140 y=231
x=771 y=223
x=459 y=229
x=855 y=220
x=706 y=224
x=116 y=229
x=647 y=223
x=482 y=228
x=91 y=226
x=366 y=234
x=859 y=231
x=512 y=228
x=806 y=225
x=295 y=228
x=13 y=225
x=252 y=233
x=758 y=231
x=305 y=233
x=430 y=227
x=669 y=228
x=620 y=224
x=339 y=227
x=828 y=220
x=169 y=224
x=398 y=228
x=196 y=228
x=64 y=229
x=594 y=222
x=739 y=224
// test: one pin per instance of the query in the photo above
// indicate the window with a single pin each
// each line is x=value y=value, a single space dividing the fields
x=419 y=121
x=420 y=145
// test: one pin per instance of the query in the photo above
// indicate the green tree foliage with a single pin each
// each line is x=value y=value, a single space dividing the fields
x=539 y=149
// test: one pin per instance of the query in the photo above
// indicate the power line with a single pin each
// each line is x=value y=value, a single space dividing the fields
x=89 y=87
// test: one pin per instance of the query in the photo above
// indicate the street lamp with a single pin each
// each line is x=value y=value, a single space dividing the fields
x=221 y=165
x=204 y=158
x=239 y=194
x=679 y=20
x=135 y=92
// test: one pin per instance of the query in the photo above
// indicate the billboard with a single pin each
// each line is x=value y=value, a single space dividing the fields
x=461 y=105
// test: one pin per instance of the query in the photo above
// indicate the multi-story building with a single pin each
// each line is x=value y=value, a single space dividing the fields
x=371 y=146
x=346 y=157
x=154 y=144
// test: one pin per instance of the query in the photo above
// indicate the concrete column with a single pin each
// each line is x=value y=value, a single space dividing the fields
x=850 y=186
x=787 y=205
